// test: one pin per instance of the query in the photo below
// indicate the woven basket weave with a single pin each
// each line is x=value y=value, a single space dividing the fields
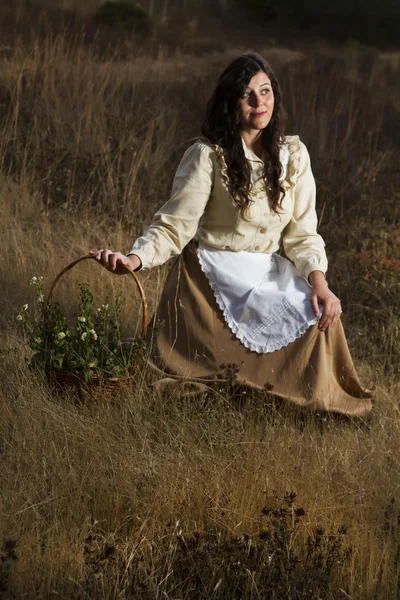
x=98 y=386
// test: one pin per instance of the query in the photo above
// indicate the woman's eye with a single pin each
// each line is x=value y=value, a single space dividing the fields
x=265 y=91
x=245 y=95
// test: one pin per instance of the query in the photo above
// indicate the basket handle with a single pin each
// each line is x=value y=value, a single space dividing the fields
x=145 y=311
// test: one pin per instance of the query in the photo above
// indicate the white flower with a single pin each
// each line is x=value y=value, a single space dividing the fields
x=94 y=334
x=60 y=335
x=92 y=364
x=82 y=319
x=19 y=317
x=103 y=308
x=36 y=280
x=25 y=307
x=83 y=336
x=38 y=340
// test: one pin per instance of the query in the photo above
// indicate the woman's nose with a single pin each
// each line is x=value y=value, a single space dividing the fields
x=256 y=99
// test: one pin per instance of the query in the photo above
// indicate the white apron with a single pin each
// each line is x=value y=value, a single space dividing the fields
x=265 y=300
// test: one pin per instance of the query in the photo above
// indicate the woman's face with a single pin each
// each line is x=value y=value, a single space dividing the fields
x=257 y=103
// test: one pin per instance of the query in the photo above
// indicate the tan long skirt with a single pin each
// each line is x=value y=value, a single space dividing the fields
x=194 y=342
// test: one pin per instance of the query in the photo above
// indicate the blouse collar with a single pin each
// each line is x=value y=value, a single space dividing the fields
x=283 y=156
x=250 y=155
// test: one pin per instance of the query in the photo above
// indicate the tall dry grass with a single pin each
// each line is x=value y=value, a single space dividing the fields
x=158 y=496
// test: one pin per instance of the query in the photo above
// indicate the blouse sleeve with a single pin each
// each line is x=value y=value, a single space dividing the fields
x=177 y=221
x=301 y=242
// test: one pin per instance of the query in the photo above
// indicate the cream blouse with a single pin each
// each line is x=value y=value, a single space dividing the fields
x=201 y=206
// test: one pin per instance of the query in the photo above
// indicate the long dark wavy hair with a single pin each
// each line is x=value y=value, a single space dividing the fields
x=221 y=126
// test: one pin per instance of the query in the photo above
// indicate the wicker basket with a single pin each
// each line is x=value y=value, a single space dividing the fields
x=98 y=386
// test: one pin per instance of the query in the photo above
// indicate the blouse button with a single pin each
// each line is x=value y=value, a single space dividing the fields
x=226 y=247
x=263 y=230
x=256 y=248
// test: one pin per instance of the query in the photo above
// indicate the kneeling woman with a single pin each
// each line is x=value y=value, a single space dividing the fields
x=238 y=195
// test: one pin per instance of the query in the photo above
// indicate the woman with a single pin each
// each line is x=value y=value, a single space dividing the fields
x=238 y=195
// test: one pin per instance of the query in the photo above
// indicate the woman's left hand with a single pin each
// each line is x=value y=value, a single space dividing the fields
x=321 y=294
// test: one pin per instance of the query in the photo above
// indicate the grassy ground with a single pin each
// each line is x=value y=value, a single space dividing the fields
x=165 y=497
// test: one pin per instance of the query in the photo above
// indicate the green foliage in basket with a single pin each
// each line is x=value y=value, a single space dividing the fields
x=92 y=347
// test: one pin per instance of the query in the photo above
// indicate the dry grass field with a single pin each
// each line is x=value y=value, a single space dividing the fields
x=158 y=496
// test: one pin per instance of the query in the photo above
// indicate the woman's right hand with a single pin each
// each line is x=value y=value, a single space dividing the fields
x=116 y=261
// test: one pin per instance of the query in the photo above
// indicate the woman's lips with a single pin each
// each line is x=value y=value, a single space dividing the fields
x=259 y=114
